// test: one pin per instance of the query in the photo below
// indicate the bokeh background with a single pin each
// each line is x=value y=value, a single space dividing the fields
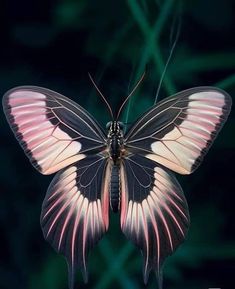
x=55 y=44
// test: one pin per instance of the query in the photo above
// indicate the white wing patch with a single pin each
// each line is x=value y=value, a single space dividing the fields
x=196 y=126
x=50 y=148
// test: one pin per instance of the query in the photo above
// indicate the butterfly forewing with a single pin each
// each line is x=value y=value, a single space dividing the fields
x=53 y=130
x=178 y=131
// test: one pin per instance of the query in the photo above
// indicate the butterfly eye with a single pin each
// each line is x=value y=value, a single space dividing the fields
x=121 y=125
x=108 y=125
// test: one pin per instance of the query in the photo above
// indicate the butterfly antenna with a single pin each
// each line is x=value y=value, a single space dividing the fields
x=128 y=89
x=128 y=97
x=100 y=93
x=170 y=55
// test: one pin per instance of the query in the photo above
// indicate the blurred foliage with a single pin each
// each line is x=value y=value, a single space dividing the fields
x=54 y=44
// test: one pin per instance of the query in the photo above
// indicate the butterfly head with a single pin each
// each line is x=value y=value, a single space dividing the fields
x=114 y=128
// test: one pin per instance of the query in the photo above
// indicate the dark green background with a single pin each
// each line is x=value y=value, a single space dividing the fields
x=54 y=44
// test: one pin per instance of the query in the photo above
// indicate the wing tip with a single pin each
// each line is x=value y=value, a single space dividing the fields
x=72 y=269
x=71 y=280
x=15 y=128
x=84 y=274
x=6 y=106
x=223 y=117
x=147 y=268
x=5 y=103
x=159 y=276
x=71 y=275
x=146 y=271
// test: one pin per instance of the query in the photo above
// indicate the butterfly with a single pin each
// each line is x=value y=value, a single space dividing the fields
x=129 y=172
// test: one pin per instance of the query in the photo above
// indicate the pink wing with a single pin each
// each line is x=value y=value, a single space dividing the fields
x=75 y=212
x=179 y=130
x=154 y=212
x=53 y=130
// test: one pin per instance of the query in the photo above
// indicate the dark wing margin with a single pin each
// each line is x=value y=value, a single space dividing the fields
x=53 y=131
x=154 y=211
x=75 y=211
x=179 y=130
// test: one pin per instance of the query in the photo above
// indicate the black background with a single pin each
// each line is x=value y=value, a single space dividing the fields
x=55 y=44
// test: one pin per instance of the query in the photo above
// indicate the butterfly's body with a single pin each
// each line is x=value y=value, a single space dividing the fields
x=129 y=172
x=115 y=148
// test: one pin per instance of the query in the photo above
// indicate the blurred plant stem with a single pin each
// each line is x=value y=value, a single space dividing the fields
x=227 y=82
x=151 y=39
x=207 y=62
x=152 y=35
x=116 y=264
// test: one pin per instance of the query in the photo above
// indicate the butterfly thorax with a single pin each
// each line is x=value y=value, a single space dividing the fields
x=115 y=141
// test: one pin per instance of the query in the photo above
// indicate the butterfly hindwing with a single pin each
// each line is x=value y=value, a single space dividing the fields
x=154 y=211
x=75 y=212
x=178 y=131
x=53 y=130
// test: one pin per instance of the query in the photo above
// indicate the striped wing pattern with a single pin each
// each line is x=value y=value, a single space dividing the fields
x=179 y=130
x=59 y=135
x=75 y=211
x=53 y=130
x=154 y=212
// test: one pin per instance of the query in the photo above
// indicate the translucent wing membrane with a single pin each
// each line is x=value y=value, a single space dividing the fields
x=178 y=131
x=75 y=211
x=53 y=130
x=154 y=212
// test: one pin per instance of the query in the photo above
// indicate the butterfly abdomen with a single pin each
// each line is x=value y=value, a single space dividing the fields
x=115 y=189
